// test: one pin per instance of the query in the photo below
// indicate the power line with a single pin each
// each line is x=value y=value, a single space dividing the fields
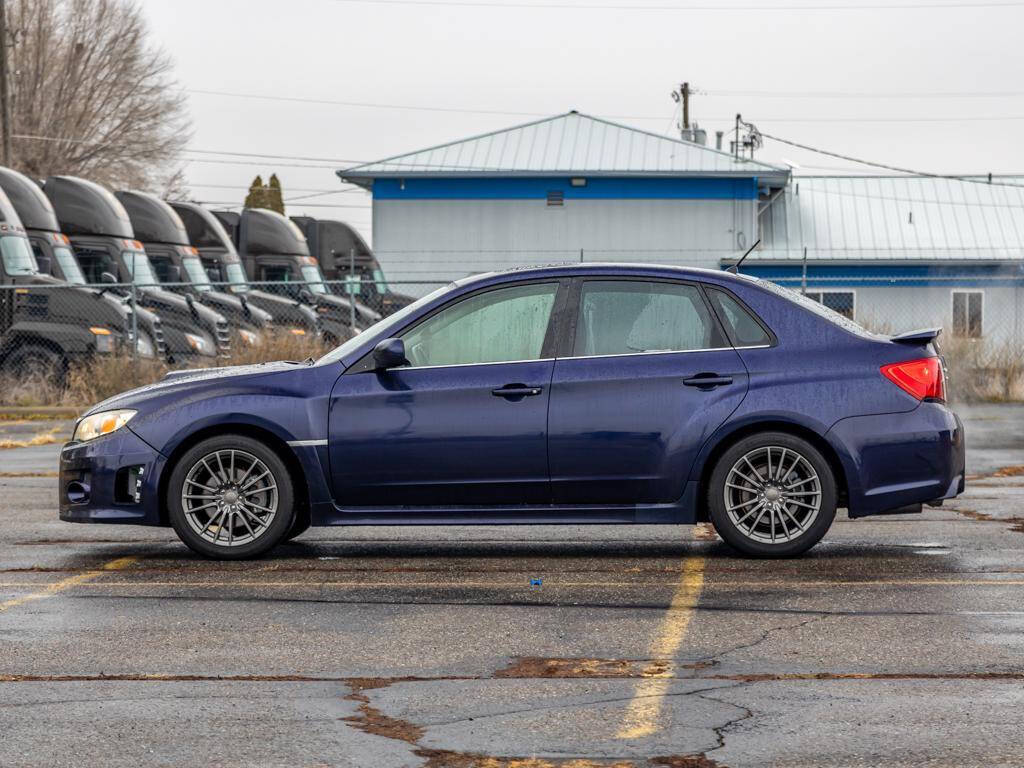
x=865 y=94
x=887 y=167
x=504 y=4
x=318 y=191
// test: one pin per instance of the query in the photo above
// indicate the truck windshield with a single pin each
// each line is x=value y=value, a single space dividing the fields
x=236 y=276
x=68 y=265
x=196 y=274
x=314 y=279
x=138 y=266
x=17 y=255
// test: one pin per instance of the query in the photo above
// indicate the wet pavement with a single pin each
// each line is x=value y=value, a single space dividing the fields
x=897 y=641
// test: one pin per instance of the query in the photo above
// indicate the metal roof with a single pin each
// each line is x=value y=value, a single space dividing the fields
x=878 y=218
x=571 y=144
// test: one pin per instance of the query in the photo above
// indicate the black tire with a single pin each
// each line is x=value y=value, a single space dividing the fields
x=778 y=497
x=37 y=362
x=282 y=501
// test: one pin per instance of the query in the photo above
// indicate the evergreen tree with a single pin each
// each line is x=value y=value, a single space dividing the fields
x=274 y=196
x=257 y=196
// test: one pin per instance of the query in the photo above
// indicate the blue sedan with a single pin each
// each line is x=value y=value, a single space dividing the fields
x=575 y=394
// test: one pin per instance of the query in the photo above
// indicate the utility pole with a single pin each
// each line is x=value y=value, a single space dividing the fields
x=5 y=105
x=685 y=93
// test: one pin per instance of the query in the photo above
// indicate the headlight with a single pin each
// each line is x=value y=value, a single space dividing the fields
x=199 y=344
x=100 y=424
x=249 y=337
x=144 y=346
x=104 y=339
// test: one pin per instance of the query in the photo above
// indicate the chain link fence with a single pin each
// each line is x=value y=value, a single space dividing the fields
x=73 y=345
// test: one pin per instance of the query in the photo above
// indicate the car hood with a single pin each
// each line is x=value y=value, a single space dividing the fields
x=179 y=383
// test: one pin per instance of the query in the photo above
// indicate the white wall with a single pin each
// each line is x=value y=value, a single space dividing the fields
x=442 y=240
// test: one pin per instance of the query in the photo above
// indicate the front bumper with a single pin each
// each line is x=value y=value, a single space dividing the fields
x=112 y=479
x=896 y=460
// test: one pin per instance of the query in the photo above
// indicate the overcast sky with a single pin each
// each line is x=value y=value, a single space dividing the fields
x=940 y=76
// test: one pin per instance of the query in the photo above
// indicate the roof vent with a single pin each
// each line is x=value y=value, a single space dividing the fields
x=556 y=197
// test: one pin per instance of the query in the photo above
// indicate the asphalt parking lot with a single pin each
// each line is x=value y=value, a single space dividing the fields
x=897 y=641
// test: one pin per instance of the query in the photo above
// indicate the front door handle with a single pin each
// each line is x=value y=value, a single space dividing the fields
x=516 y=391
x=707 y=381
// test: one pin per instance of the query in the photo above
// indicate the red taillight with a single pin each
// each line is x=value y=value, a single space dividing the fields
x=921 y=378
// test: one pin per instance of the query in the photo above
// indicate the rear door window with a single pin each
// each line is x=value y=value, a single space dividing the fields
x=628 y=317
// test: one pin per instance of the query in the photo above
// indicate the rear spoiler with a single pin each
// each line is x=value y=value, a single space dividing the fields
x=920 y=336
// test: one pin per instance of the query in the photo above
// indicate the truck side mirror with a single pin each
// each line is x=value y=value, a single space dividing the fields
x=389 y=353
x=106 y=277
x=43 y=262
x=173 y=274
x=307 y=295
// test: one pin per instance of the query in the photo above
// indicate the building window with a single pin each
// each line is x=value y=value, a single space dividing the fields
x=968 y=307
x=843 y=302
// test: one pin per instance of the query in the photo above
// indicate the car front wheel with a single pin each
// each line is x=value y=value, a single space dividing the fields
x=230 y=497
x=772 y=495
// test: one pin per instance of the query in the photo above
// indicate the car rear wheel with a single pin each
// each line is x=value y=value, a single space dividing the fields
x=230 y=497
x=772 y=495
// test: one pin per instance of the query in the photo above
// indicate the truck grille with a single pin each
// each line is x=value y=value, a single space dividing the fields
x=223 y=338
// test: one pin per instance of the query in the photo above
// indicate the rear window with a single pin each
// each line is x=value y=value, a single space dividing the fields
x=817 y=308
x=741 y=325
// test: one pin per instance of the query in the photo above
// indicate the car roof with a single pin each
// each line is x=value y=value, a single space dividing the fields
x=608 y=269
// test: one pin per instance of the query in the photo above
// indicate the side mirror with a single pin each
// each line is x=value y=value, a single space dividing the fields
x=43 y=262
x=389 y=353
x=106 y=277
x=307 y=296
x=173 y=274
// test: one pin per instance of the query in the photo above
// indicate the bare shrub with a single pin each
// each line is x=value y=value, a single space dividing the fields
x=981 y=371
x=102 y=377
x=278 y=345
x=24 y=392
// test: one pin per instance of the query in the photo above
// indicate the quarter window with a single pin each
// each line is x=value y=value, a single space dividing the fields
x=745 y=330
x=505 y=325
x=968 y=307
x=631 y=317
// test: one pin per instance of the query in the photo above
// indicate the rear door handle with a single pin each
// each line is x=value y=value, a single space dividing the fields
x=707 y=381
x=512 y=391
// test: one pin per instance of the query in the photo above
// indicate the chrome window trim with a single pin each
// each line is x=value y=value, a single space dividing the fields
x=664 y=352
x=301 y=443
x=466 y=365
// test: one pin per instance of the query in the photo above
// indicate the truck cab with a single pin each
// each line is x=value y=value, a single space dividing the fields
x=54 y=257
x=274 y=253
x=220 y=260
x=346 y=259
x=45 y=325
x=108 y=254
x=178 y=267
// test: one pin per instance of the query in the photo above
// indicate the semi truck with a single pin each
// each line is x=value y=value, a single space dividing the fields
x=45 y=326
x=54 y=258
x=176 y=262
x=273 y=250
x=220 y=260
x=344 y=256
x=108 y=254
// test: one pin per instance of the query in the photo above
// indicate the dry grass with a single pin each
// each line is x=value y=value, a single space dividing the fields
x=981 y=371
x=102 y=377
x=43 y=438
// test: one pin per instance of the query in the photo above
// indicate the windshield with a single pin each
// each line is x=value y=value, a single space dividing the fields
x=68 y=265
x=236 y=276
x=314 y=280
x=382 y=326
x=196 y=274
x=138 y=266
x=17 y=255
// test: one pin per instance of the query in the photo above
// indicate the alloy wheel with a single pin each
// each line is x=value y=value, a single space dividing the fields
x=772 y=494
x=229 y=497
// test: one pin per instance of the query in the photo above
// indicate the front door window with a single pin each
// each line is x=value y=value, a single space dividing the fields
x=497 y=326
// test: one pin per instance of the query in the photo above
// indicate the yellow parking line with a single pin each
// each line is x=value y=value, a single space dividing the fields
x=642 y=714
x=71 y=581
